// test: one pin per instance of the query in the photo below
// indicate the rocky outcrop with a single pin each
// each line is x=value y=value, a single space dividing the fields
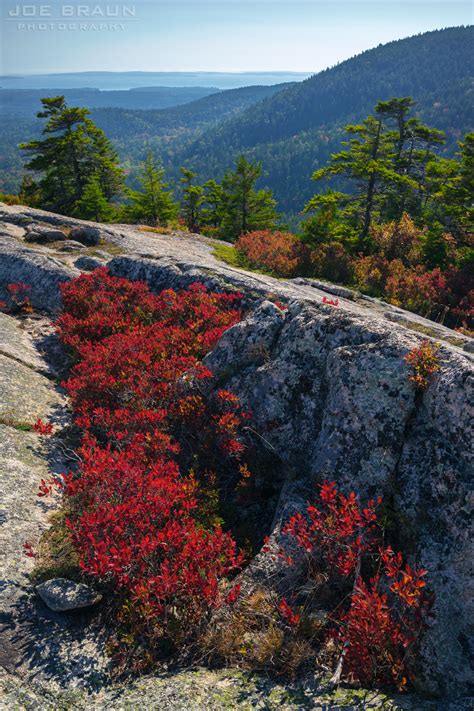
x=329 y=388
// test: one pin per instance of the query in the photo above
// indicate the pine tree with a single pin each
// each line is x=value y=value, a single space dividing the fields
x=245 y=208
x=413 y=142
x=192 y=200
x=72 y=151
x=93 y=204
x=450 y=193
x=154 y=204
x=386 y=162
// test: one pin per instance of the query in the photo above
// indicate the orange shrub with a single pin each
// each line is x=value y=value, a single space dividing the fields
x=417 y=290
x=424 y=363
x=371 y=273
x=399 y=240
x=281 y=253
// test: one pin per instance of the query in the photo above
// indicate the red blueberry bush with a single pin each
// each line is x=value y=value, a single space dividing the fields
x=158 y=445
x=376 y=622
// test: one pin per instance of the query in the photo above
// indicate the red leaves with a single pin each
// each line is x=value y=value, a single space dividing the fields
x=20 y=301
x=28 y=550
x=151 y=428
x=376 y=624
x=288 y=614
x=43 y=428
x=338 y=526
x=330 y=302
x=233 y=595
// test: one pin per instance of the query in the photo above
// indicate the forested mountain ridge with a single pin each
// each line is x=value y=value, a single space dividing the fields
x=292 y=128
x=413 y=66
x=295 y=131
x=209 y=109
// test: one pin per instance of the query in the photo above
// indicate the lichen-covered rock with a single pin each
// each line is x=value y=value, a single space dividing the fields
x=89 y=236
x=34 y=641
x=26 y=395
x=43 y=273
x=61 y=595
x=71 y=245
x=14 y=343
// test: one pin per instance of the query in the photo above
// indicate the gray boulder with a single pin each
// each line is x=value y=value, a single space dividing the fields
x=90 y=236
x=88 y=264
x=40 y=234
x=61 y=595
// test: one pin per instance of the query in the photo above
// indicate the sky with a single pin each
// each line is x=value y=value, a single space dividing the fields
x=209 y=35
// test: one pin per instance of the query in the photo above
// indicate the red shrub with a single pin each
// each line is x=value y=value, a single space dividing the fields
x=278 y=252
x=155 y=438
x=43 y=428
x=376 y=625
x=416 y=290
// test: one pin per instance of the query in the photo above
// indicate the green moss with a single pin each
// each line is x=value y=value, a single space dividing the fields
x=431 y=332
x=228 y=254
x=11 y=422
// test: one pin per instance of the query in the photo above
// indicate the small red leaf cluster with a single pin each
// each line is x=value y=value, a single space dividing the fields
x=424 y=363
x=43 y=428
x=330 y=302
x=376 y=624
x=20 y=302
x=154 y=437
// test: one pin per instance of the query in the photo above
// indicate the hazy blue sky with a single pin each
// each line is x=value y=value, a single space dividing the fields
x=210 y=35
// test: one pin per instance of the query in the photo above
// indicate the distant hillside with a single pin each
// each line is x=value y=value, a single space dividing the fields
x=295 y=131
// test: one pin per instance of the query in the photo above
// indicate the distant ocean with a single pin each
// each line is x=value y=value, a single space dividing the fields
x=130 y=80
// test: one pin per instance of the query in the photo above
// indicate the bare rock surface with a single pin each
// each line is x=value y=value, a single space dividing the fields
x=62 y=650
x=15 y=343
x=87 y=235
x=329 y=387
x=43 y=234
x=41 y=271
x=26 y=396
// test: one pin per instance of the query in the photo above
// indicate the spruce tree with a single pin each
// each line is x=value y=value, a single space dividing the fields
x=245 y=208
x=93 y=204
x=386 y=162
x=192 y=200
x=450 y=189
x=213 y=204
x=153 y=205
